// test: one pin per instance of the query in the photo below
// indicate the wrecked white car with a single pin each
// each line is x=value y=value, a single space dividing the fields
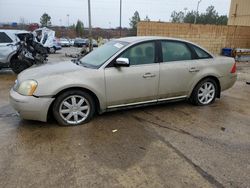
x=47 y=38
x=18 y=50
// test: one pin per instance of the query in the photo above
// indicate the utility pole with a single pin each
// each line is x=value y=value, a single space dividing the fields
x=60 y=20
x=68 y=19
x=120 y=18
x=185 y=11
x=195 y=19
x=90 y=28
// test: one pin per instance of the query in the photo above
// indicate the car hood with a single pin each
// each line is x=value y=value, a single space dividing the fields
x=50 y=69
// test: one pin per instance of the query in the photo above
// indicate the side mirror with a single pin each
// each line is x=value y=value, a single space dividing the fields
x=122 y=62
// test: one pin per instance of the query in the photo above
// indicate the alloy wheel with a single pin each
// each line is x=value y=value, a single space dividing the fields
x=74 y=109
x=206 y=93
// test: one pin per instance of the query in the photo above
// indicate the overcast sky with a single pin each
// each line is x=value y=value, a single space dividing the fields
x=105 y=13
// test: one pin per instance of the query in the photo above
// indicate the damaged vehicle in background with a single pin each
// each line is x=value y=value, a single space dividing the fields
x=19 y=51
x=47 y=38
x=123 y=73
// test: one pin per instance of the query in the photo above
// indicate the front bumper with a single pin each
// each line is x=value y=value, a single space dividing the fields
x=30 y=107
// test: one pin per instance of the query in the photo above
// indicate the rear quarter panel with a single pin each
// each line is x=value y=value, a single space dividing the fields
x=219 y=67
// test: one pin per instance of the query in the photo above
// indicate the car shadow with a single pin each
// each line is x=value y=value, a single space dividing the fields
x=117 y=140
x=114 y=140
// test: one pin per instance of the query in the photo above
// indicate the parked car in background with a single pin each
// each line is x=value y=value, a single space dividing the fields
x=64 y=42
x=56 y=45
x=94 y=43
x=79 y=42
x=123 y=73
x=71 y=41
x=85 y=43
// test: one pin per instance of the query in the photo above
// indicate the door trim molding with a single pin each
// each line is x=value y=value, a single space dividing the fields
x=131 y=104
x=172 y=98
x=147 y=102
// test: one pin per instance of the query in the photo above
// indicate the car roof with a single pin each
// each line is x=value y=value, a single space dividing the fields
x=147 y=38
x=133 y=40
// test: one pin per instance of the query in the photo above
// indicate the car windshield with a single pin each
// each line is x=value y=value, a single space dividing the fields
x=97 y=57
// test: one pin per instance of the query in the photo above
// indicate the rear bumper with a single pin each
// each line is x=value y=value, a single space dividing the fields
x=30 y=107
x=227 y=82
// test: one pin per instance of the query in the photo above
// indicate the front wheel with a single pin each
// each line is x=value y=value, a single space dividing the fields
x=205 y=92
x=73 y=108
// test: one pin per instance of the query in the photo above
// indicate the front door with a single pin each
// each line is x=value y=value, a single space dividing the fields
x=136 y=84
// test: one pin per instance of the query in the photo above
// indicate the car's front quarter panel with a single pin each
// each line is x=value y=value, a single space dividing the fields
x=92 y=80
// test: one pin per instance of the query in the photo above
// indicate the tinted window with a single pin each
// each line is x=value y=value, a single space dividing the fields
x=4 y=38
x=141 y=54
x=201 y=53
x=175 y=51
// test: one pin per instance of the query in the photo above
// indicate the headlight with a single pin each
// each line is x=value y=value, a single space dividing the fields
x=27 y=87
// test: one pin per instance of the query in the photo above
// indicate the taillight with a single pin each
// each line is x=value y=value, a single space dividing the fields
x=234 y=68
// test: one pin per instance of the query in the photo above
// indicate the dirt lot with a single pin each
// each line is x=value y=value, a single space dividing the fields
x=171 y=145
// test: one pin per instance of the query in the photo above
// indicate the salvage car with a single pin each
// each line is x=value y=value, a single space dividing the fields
x=8 y=46
x=46 y=37
x=123 y=73
x=18 y=50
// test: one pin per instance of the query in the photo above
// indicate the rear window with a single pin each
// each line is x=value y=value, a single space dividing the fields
x=201 y=53
x=4 y=38
x=175 y=51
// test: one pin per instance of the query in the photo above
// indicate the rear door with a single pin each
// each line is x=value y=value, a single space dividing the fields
x=176 y=71
x=7 y=47
x=137 y=83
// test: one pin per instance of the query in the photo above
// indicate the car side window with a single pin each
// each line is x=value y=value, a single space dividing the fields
x=175 y=51
x=201 y=53
x=141 y=54
x=4 y=38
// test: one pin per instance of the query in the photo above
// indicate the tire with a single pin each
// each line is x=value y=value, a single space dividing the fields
x=18 y=66
x=71 y=112
x=204 y=93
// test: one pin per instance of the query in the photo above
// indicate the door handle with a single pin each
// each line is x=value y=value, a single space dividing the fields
x=194 y=69
x=148 y=75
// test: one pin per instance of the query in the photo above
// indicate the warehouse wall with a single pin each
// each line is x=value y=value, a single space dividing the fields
x=211 y=37
x=239 y=13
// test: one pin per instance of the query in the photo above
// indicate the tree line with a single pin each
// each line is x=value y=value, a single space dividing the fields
x=211 y=16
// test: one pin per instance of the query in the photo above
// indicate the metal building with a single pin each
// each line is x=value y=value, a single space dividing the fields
x=239 y=13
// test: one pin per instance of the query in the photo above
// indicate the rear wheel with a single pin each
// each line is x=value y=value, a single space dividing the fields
x=18 y=66
x=73 y=108
x=205 y=92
